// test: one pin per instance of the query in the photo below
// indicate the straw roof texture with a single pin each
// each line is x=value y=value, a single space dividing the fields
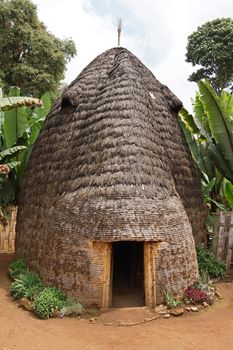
x=111 y=162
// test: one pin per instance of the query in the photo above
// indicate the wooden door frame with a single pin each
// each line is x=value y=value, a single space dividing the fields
x=149 y=253
x=107 y=275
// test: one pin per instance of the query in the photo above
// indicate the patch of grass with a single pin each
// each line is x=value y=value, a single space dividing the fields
x=48 y=301
x=208 y=264
x=16 y=268
x=26 y=285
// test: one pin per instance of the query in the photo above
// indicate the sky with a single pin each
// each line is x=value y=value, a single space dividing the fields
x=155 y=31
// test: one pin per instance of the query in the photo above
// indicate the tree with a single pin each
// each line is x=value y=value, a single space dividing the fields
x=30 y=56
x=211 y=47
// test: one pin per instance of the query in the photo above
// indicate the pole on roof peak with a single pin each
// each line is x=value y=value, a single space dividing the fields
x=119 y=29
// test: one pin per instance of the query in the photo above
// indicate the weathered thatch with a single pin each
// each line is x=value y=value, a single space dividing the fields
x=110 y=164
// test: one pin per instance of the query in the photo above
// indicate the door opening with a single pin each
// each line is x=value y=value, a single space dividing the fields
x=128 y=274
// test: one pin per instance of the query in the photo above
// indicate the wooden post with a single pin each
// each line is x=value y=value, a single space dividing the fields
x=7 y=232
x=150 y=251
x=107 y=280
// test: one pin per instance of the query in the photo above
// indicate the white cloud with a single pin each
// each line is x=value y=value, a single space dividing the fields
x=77 y=19
x=168 y=24
x=159 y=37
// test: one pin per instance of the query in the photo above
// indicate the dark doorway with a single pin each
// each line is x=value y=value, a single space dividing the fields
x=128 y=274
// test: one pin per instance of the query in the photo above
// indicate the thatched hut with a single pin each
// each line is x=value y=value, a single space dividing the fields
x=111 y=198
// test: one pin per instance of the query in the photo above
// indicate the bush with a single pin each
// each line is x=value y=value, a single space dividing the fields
x=195 y=295
x=48 y=301
x=208 y=264
x=17 y=268
x=27 y=285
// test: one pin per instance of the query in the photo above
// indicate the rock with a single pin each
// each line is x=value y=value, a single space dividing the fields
x=166 y=316
x=205 y=304
x=163 y=312
x=218 y=295
x=92 y=319
x=188 y=308
x=26 y=304
x=194 y=308
x=177 y=311
x=57 y=313
x=160 y=308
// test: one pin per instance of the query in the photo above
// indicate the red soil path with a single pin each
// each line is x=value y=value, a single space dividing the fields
x=207 y=330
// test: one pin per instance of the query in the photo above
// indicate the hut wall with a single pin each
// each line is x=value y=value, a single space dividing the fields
x=176 y=266
x=7 y=232
x=77 y=265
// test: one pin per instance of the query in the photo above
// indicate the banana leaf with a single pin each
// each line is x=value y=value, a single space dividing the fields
x=218 y=122
x=228 y=193
x=7 y=103
x=11 y=151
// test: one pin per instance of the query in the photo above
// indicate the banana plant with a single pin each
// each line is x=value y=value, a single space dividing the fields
x=7 y=103
x=209 y=134
x=21 y=119
x=219 y=112
x=7 y=193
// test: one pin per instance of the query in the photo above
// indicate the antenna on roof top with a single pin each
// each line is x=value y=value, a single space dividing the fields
x=119 y=29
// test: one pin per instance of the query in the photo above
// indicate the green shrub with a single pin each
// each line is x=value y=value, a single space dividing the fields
x=208 y=264
x=171 y=301
x=71 y=308
x=48 y=301
x=17 y=268
x=27 y=285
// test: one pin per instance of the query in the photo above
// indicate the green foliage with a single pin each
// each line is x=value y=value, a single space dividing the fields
x=31 y=57
x=171 y=301
x=46 y=301
x=19 y=128
x=71 y=308
x=228 y=192
x=209 y=134
x=49 y=301
x=211 y=47
x=17 y=268
x=208 y=264
x=27 y=285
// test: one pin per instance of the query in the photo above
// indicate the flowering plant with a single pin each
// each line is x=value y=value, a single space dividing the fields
x=195 y=295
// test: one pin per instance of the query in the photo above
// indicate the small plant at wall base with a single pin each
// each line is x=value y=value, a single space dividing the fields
x=45 y=302
x=16 y=268
x=48 y=301
x=27 y=285
x=195 y=295
x=171 y=300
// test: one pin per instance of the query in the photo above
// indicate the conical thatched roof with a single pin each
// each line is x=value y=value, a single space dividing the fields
x=111 y=161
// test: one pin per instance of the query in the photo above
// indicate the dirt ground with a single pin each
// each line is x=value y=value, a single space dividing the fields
x=207 y=330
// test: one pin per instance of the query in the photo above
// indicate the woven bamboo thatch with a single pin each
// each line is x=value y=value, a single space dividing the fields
x=110 y=164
